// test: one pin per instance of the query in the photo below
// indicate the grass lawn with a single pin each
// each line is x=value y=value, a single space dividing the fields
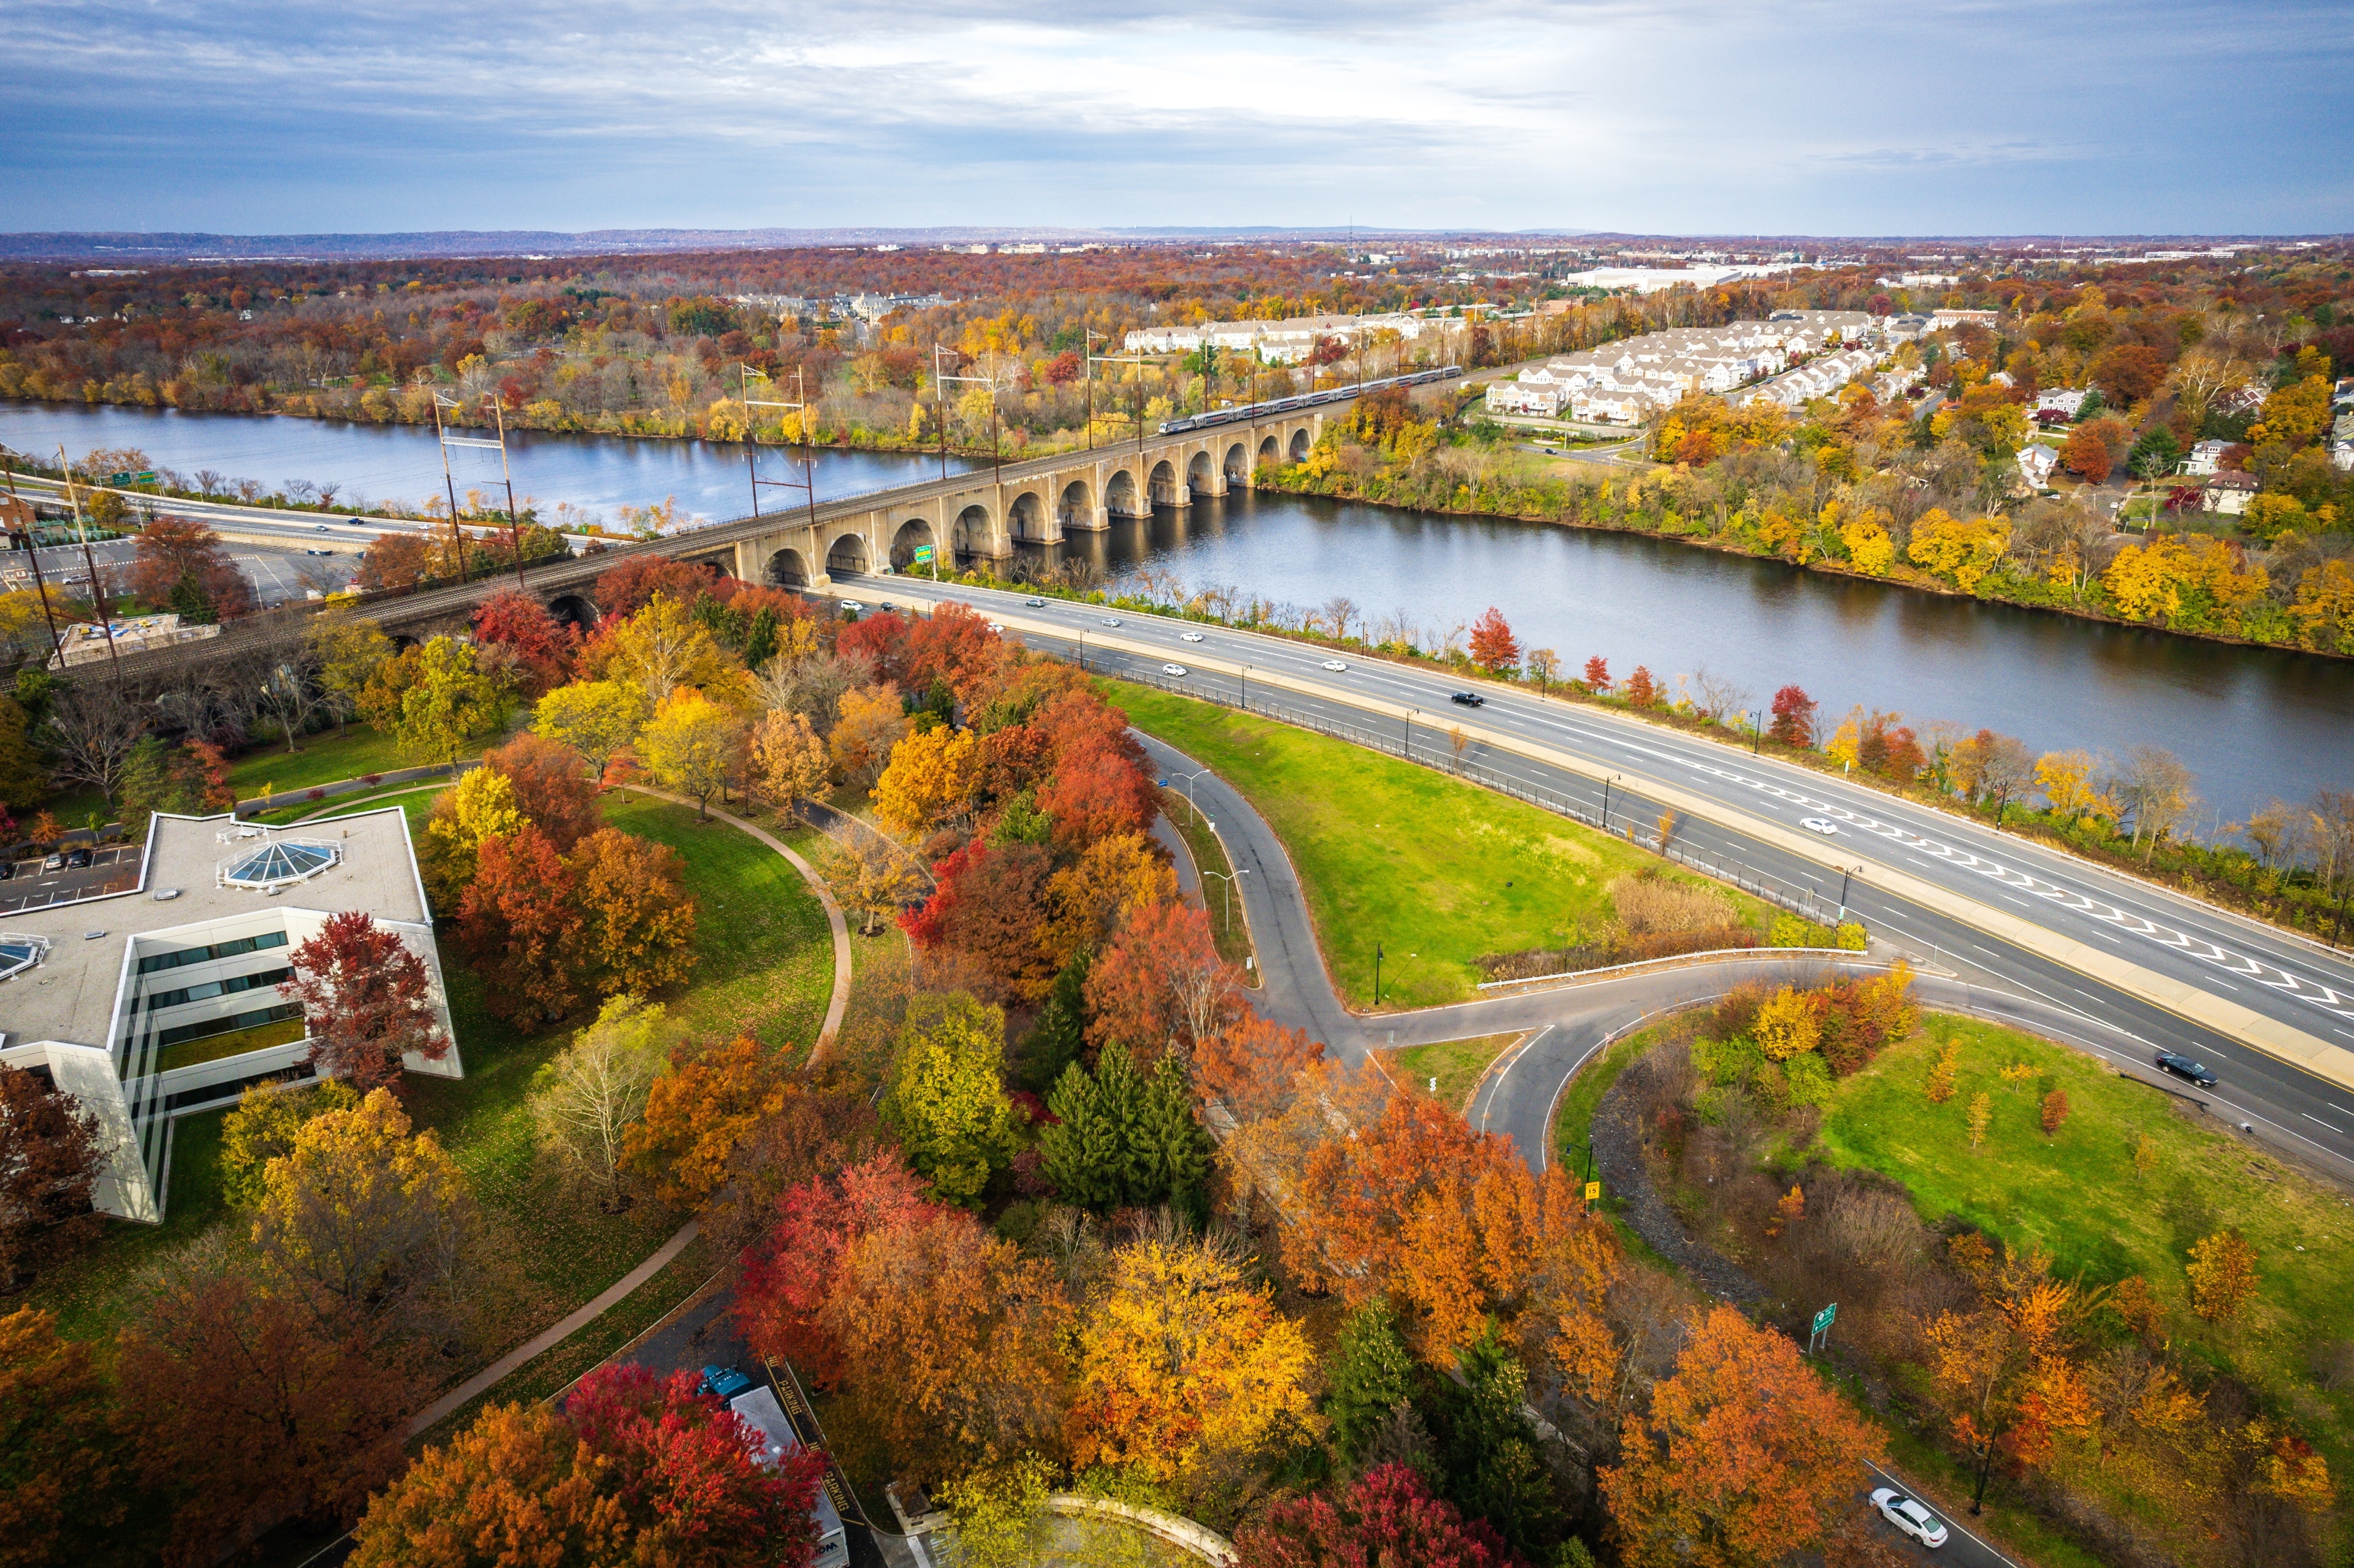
x=324 y=759
x=1438 y=871
x=1218 y=896
x=766 y=964
x=1457 y=1065
x=2078 y=1195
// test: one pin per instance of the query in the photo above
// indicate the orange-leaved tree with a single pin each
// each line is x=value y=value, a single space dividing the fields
x=1161 y=984
x=788 y=1275
x=699 y=1111
x=637 y=920
x=1746 y=1457
x=1493 y=647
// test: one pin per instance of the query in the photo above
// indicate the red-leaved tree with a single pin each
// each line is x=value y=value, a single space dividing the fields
x=519 y=922
x=552 y=788
x=1387 y=1517
x=1493 y=647
x=789 y=1275
x=1794 y=717
x=988 y=903
x=625 y=590
x=1162 y=984
x=544 y=647
x=50 y=1160
x=366 y=1000
x=1251 y=1066
x=1597 y=673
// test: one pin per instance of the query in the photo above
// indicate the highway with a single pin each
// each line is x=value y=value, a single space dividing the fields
x=2139 y=968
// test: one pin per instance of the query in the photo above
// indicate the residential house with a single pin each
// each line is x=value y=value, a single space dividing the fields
x=2065 y=400
x=2229 y=494
x=1526 y=397
x=2205 y=457
x=2341 y=441
x=2036 y=464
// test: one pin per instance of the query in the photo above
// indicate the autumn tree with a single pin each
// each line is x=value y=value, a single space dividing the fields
x=1794 y=717
x=1642 y=691
x=542 y=646
x=51 y=1156
x=480 y=805
x=789 y=761
x=1110 y=882
x=872 y=722
x=661 y=648
x=89 y=736
x=2222 y=1271
x=180 y=565
x=2055 y=1111
x=261 y=1129
x=585 y=1100
x=699 y=1112
x=394 y=563
x=367 y=1001
x=2004 y=1372
x=692 y=744
x=1493 y=647
x=1745 y=1457
x=1386 y=1516
x=61 y=1457
x=446 y=701
x=595 y=718
x=347 y=650
x=946 y=1095
x=1545 y=664
x=630 y=586
x=633 y=1468
x=1161 y=984
x=1185 y=1368
x=986 y=904
x=931 y=780
x=252 y=1412
x=1598 y=674
x=520 y=920
x=2084 y=455
x=554 y=786
x=1099 y=788
x=788 y=1275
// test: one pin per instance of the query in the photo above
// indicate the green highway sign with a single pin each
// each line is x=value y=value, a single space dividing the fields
x=923 y=554
x=1823 y=1318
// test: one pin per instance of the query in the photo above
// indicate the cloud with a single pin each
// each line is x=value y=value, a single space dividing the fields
x=1951 y=115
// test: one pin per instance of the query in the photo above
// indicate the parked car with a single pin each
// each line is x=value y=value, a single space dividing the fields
x=1189 y=636
x=55 y=863
x=724 y=1381
x=77 y=859
x=1172 y=669
x=2184 y=1067
x=1910 y=1517
x=1470 y=699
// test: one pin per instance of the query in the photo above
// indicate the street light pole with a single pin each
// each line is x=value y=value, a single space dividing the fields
x=1605 y=801
x=1229 y=905
x=1377 y=974
x=1845 y=872
x=1758 y=733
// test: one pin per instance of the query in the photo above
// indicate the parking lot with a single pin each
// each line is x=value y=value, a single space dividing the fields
x=29 y=885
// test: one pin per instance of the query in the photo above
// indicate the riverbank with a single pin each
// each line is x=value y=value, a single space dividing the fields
x=2182 y=579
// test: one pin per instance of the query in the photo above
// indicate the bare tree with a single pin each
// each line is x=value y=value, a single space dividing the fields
x=283 y=671
x=210 y=482
x=2005 y=767
x=1340 y=610
x=2155 y=789
x=1718 y=695
x=90 y=732
x=583 y=1102
x=2276 y=833
x=2332 y=820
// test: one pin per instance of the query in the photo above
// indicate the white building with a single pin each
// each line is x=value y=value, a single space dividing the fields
x=2068 y=400
x=2205 y=457
x=2228 y=494
x=2341 y=441
x=1526 y=397
x=1285 y=342
x=2036 y=463
x=150 y=1004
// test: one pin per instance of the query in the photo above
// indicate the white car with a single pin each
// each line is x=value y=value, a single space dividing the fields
x=997 y=627
x=1189 y=636
x=1335 y=665
x=322 y=528
x=1910 y=1517
x=852 y=606
x=1817 y=825
x=1111 y=620
x=1172 y=669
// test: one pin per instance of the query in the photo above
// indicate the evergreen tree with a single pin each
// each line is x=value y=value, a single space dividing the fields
x=1494 y=1469
x=1171 y=1147
x=1086 y=1150
x=761 y=639
x=21 y=783
x=189 y=600
x=1373 y=1374
x=1054 y=1042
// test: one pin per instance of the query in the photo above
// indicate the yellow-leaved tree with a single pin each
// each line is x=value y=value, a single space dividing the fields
x=2071 y=782
x=1868 y=543
x=1788 y=1024
x=1185 y=1366
x=870 y=723
x=1963 y=551
x=930 y=782
x=692 y=745
x=788 y=760
x=662 y=648
x=480 y=805
x=948 y=1094
x=595 y=718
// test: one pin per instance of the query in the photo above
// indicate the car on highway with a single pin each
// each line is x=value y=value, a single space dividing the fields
x=1470 y=699
x=2183 y=1067
x=852 y=605
x=1111 y=620
x=1335 y=665
x=998 y=627
x=318 y=552
x=7 y=871
x=1910 y=1517
x=1829 y=830
x=77 y=859
x=1035 y=603
x=322 y=528
x=1172 y=669
x=1189 y=636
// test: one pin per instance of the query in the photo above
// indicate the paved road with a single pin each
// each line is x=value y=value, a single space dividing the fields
x=2063 y=908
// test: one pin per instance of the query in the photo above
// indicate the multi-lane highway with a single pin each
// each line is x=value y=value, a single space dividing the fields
x=2142 y=967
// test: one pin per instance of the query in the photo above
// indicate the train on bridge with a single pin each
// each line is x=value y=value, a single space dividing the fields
x=1281 y=406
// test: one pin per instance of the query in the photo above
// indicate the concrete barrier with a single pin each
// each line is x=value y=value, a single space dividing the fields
x=1194 y=1539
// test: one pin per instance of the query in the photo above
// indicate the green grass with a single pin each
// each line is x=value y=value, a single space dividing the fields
x=1458 y=1065
x=323 y=758
x=1438 y=871
x=2078 y=1196
x=765 y=963
x=1227 y=924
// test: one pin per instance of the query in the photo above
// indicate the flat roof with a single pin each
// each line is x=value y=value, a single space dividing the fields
x=71 y=995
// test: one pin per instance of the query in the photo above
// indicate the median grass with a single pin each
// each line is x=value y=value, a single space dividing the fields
x=2079 y=1195
x=1436 y=871
x=765 y=964
x=1220 y=896
x=1451 y=1069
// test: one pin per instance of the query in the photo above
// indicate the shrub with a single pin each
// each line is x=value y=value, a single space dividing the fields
x=2055 y=1111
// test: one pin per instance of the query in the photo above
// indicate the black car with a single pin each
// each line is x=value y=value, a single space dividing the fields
x=8 y=870
x=1471 y=699
x=2198 y=1073
x=77 y=859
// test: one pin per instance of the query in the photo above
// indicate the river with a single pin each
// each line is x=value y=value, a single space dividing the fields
x=2252 y=724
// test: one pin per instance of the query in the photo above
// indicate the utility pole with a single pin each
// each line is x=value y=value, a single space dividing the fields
x=808 y=482
x=442 y=433
x=31 y=536
x=514 y=523
x=996 y=456
x=97 y=589
x=1142 y=480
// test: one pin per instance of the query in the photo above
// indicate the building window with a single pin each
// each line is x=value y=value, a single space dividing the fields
x=185 y=955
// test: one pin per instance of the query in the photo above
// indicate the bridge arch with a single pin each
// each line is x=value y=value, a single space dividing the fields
x=576 y=610
x=971 y=533
x=787 y=569
x=1119 y=494
x=1026 y=519
x=915 y=531
x=1201 y=477
x=1076 y=508
x=1238 y=465
x=1270 y=450
x=1163 y=485
x=847 y=554
x=1299 y=445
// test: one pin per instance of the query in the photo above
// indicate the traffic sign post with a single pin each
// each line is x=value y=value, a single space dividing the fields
x=1593 y=1193
x=1823 y=1321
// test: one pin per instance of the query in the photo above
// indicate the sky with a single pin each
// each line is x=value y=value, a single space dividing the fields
x=1933 y=117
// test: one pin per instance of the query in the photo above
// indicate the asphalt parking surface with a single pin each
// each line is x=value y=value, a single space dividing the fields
x=114 y=869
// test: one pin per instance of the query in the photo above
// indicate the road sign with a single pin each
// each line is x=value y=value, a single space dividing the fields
x=1594 y=1191
x=923 y=554
x=1823 y=1318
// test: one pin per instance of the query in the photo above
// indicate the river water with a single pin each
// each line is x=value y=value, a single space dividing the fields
x=2252 y=724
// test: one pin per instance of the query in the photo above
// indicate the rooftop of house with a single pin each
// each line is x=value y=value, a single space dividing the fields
x=184 y=880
